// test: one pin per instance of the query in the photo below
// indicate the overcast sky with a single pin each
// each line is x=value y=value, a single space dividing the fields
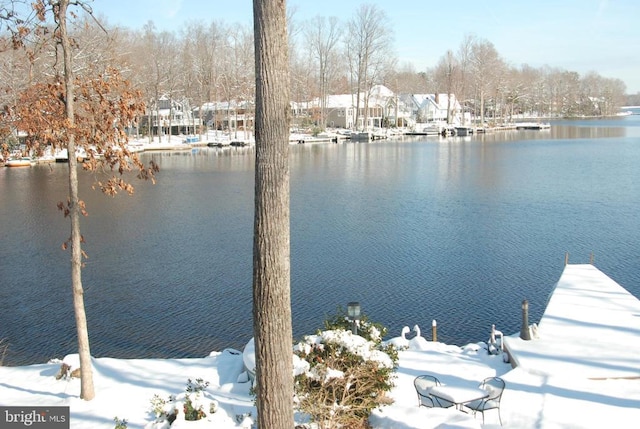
x=575 y=35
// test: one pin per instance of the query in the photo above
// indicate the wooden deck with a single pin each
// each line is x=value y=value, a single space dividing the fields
x=590 y=329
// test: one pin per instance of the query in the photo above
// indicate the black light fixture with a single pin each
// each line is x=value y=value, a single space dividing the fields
x=353 y=313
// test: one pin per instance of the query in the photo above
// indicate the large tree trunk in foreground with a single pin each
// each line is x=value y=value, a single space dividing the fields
x=271 y=262
x=86 y=384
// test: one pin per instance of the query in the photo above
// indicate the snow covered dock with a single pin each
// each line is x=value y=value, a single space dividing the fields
x=590 y=329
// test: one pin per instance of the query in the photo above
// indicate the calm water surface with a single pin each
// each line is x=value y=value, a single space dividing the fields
x=460 y=230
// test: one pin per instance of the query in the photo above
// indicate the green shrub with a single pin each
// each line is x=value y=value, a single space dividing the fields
x=120 y=424
x=193 y=408
x=159 y=407
x=192 y=403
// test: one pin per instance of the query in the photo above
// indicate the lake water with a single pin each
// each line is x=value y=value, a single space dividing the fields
x=460 y=230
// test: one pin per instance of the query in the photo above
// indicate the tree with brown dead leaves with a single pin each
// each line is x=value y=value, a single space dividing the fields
x=86 y=112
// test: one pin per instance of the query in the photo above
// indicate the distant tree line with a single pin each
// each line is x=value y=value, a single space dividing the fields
x=633 y=99
x=214 y=61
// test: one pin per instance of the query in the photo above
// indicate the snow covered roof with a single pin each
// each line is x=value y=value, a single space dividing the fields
x=224 y=105
x=423 y=101
x=378 y=95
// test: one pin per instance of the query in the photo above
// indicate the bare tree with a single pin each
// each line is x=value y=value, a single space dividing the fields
x=445 y=76
x=463 y=77
x=156 y=71
x=515 y=89
x=202 y=53
x=368 y=45
x=614 y=93
x=568 y=93
x=170 y=72
x=322 y=36
x=406 y=80
x=487 y=66
x=271 y=243
x=15 y=74
x=236 y=77
x=303 y=81
x=601 y=96
x=304 y=85
x=525 y=98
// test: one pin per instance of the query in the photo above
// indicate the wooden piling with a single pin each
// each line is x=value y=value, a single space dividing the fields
x=525 y=334
x=434 y=331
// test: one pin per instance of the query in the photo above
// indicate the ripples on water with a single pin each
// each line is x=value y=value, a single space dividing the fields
x=457 y=230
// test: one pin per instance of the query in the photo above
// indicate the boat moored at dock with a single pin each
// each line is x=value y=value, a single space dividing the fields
x=24 y=161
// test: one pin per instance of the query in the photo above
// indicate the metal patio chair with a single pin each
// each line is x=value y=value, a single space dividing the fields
x=424 y=383
x=495 y=386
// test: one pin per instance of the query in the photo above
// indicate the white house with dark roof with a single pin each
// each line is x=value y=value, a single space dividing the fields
x=427 y=108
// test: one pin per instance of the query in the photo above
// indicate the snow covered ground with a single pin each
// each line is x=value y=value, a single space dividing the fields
x=543 y=392
x=124 y=389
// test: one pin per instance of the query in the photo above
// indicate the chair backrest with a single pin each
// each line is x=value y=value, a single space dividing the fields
x=495 y=387
x=425 y=382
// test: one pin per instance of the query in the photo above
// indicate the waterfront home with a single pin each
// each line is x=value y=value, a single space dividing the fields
x=233 y=117
x=378 y=107
x=167 y=116
x=430 y=108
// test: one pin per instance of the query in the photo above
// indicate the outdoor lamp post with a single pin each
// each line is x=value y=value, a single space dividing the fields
x=525 y=333
x=353 y=313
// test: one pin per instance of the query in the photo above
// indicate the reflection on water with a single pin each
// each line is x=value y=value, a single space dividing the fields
x=459 y=230
x=586 y=132
x=562 y=130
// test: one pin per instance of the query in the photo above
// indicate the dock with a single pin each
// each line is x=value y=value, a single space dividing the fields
x=367 y=136
x=590 y=329
x=532 y=126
